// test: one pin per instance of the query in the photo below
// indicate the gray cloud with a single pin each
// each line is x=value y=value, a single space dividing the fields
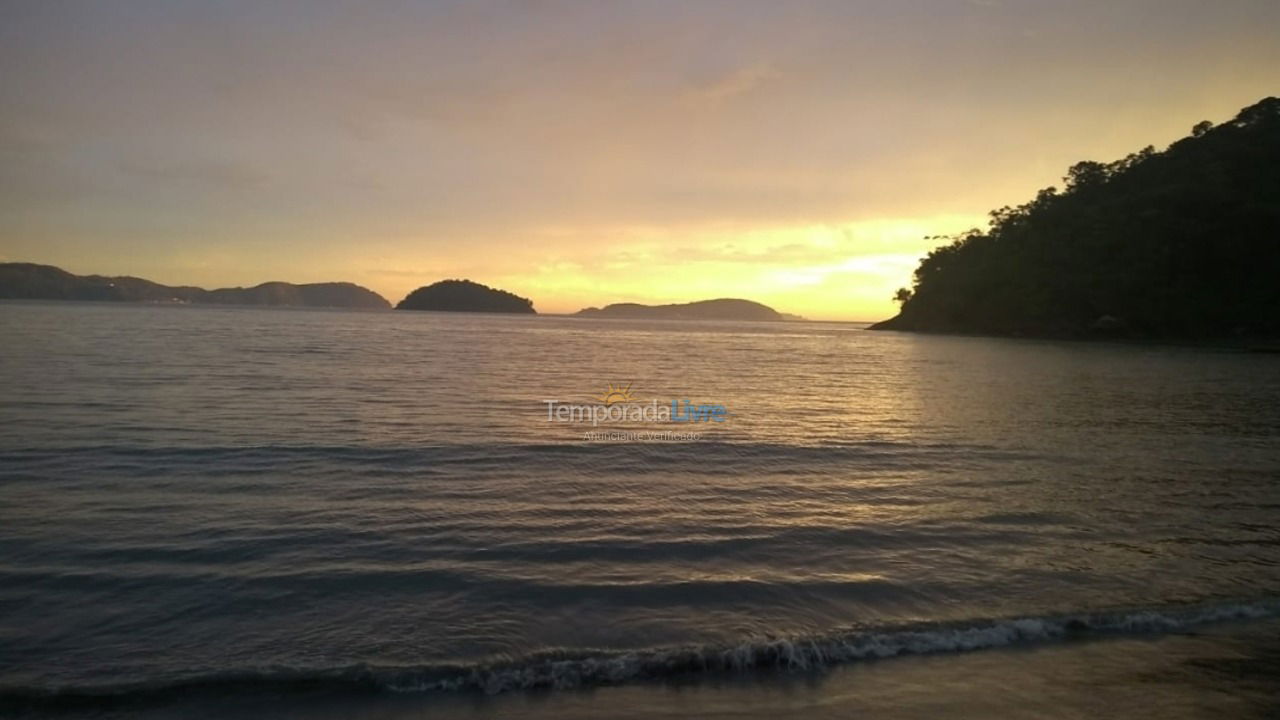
x=306 y=126
x=220 y=174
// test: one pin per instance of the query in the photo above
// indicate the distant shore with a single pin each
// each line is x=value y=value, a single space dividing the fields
x=1262 y=345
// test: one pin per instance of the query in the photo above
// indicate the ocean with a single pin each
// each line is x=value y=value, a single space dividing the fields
x=225 y=511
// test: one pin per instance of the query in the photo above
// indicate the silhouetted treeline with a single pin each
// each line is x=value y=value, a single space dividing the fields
x=464 y=296
x=46 y=282
x=1183 y=243
x=721 y=309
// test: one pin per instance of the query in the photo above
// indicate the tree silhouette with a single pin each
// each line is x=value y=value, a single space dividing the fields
x=464 y=296
x=1175 y=244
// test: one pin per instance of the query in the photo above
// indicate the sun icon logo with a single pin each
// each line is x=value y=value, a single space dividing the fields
x=617 y=394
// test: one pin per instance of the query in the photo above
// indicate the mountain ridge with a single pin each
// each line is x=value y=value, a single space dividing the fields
x=32 y=281
x=717 y=309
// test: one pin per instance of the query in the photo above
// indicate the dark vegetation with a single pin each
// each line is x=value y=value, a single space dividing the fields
x=1179 y=244
x=723 y=309
x=45 y=282
x=464 y=296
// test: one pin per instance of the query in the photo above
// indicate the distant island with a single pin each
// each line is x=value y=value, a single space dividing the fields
x=30 y=281
x=1182 y=244
x=722 y=309
x=465 y=296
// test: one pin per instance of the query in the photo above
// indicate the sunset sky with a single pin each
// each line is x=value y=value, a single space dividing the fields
x=581 y=153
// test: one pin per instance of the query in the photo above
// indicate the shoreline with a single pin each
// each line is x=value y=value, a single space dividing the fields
x=1226 y=669
x=1261 y=345
x=555 y=672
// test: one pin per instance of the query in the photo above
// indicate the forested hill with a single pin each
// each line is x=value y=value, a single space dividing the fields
x=720 y=309
x=1179 y=244
x=46 y=282
x=465 y=296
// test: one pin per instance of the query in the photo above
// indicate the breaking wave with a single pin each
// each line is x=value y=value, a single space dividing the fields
x=565 y=669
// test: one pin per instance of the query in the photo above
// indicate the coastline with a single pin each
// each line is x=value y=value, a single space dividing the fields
x=1221 y=670
x=1259 y=345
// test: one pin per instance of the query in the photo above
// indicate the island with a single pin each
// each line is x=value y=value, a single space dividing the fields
x=465 y=296
x=720 y=309
x=29 y=281
x=1175 y=245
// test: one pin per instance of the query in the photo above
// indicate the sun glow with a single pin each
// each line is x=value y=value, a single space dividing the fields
x=822 y=272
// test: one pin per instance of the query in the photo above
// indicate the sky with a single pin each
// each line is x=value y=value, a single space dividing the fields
x=801 y=154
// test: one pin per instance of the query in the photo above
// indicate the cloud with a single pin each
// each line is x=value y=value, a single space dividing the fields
x=736 y=83
x=217 y=173
x=416 y=141
x=389 y=272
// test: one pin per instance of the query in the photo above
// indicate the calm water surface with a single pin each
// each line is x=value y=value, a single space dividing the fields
x=219 y=496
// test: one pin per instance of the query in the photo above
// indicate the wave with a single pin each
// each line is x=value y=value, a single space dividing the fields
x=269 y=457
x=566 y=669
